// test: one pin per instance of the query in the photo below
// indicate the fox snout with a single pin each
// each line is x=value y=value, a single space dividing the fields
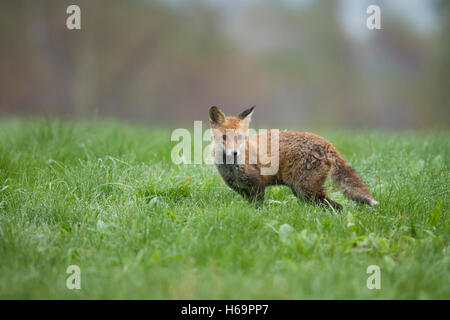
x=230 y=149
x=231 y=143
x=233 y=156
x=234 y=153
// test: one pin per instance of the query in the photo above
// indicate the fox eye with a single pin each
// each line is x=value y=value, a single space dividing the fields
x=224 y=137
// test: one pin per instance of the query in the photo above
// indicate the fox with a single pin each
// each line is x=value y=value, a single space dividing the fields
x=305 y=161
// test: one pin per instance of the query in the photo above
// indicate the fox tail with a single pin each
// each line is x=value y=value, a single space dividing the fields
x=346 y=178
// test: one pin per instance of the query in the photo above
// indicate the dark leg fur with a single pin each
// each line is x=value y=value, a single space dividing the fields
x=319 y=198
x=311 y=187
x=253 y=195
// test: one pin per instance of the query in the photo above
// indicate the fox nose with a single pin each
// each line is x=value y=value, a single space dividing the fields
x=235 y=153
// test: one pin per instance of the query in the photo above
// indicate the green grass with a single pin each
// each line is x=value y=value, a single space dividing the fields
x=105 y=196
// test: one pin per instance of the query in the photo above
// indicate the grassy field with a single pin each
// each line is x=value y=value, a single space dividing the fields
x=105 y=196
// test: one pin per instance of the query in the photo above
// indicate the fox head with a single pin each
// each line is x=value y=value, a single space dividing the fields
x=230 y=133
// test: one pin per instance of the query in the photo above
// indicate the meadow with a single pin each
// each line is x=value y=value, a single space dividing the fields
x=106 y=196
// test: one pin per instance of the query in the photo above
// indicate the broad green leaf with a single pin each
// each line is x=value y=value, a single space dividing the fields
x=286 y=233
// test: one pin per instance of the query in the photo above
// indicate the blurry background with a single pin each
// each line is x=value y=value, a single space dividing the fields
x=303 y=63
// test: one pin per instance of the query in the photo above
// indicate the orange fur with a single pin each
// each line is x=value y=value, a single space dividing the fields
x=305 y=162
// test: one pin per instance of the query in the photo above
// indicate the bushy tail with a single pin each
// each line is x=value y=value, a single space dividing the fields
x=349 y=182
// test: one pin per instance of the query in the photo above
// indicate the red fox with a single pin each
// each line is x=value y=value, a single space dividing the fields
x=305 y=160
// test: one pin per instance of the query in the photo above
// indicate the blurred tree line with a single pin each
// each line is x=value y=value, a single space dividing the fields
x=167 y=62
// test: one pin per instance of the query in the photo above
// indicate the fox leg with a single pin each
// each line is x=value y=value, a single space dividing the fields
x=316 y=197
x=260 y=195
x=310 y=186
x=321 y=198
x=253 y=195
x=256 y=195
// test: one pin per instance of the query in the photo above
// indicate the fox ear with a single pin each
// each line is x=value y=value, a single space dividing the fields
x=246 y=116
x=216 y=116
